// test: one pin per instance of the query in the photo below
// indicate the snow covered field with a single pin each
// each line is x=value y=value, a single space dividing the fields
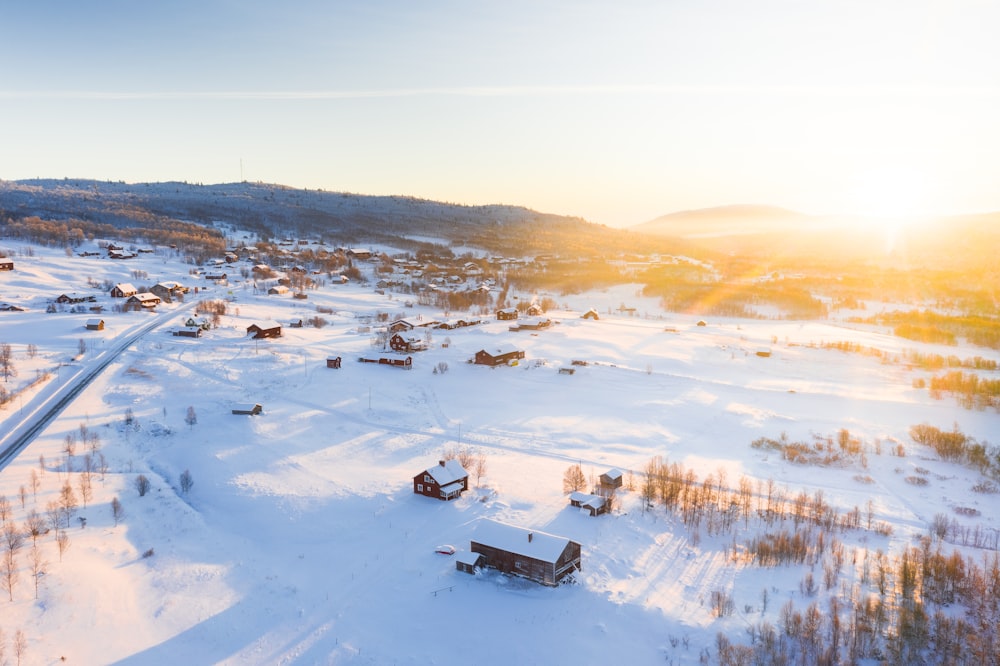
x=301 y=540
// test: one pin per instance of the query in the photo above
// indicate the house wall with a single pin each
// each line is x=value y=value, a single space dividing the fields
x=518 y=565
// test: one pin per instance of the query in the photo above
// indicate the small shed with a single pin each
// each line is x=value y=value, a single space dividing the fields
x=468 y=562
x=6 y=264
x=591 y=314
x=188 y=332
x=612 y=479
x=250 y=409
x=593 y=504
x=333 y=362
x=95 y=324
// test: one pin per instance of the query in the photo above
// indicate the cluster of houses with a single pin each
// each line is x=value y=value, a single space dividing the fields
x=539 y=556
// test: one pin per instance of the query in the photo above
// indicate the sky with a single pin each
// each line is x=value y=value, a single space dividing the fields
x=617 y=112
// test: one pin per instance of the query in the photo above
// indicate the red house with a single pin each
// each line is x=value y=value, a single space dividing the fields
x=445 y=481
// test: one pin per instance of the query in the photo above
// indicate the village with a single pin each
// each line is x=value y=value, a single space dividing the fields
x=503 y=454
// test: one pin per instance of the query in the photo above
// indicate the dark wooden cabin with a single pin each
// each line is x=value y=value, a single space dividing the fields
x=538 y=556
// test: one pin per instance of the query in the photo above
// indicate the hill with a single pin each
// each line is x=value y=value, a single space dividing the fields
x=275 y=211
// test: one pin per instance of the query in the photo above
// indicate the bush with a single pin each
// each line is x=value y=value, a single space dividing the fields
x=142 y=485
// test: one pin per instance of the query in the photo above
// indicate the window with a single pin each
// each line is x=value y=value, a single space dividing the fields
x=428 y=479
x=420 y=487
x=519 y=565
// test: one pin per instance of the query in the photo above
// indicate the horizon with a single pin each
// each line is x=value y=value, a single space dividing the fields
x=617 y=116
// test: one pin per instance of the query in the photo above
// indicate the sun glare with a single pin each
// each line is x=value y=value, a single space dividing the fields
x=890 y=194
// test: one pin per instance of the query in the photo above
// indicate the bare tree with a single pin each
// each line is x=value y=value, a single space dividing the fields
x=142 y=485
x=83 y=483
x=7 y=369
x=67 y=502
x=69 y=448
x=117 y=511
x=480 y=467
x=23 y=493
x=35 y=483
x=191 y=418
x=187 y=481
x=82 y=346
x=37 y=563
x=12 y=542
x=62 y=540
x=20 y=645
x=41 y=463
x=4 y=510
x=53 y=515
x=574 y=479
x=34 y=525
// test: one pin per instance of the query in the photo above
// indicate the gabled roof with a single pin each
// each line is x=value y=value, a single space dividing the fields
x=614 y=473
x=450 y=472
x=126 y=288
x=542 y=546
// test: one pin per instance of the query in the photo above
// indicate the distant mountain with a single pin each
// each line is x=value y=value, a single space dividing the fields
x=726 y=220
x=276 y=211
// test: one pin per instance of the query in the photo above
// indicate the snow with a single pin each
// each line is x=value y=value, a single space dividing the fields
x=301 y=540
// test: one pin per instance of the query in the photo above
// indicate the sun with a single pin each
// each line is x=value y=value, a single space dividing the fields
x=890 y=195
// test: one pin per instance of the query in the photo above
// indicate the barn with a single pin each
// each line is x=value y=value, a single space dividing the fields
x=538 y=556
x=260 y=331
x=501 y=356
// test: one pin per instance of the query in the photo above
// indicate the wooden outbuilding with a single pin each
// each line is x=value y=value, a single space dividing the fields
x=261 y=331
x=506 y=314
x=6 y=264
x=504 y=355
x=445 y=481
x=143 y=301
x=252 y=409
x=333 y=362
x=611 y=480
x=591 y=314
x=95 y=324
x=123 y=290
x=593 y=504
x=394 y=361
x=532 y=554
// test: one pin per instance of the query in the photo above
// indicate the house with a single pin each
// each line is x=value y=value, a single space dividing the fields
x=445 y=481
x=395 y=361
x=261 y=331
x=74 y=298
x=144 y=301
x=250 y=409
x=6 y=264
x=188 y=332
x=507 y=314
x=202 y=323
x=121 y=254
x=401 y=325
x=95 y=324
x=123 y=290
x=278 y=290
x=357 y=253
x=407 y=343
x=538 y=556
x=591 y=314
x=333 y=362
x=610 y=480
x=534 y=310
x=296 y=323
x=216 y=277
x=168 y=291
x=505 y=355
x=533 y=324
x=593 y=504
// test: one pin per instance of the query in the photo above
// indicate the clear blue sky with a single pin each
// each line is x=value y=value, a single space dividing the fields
x=614 y=111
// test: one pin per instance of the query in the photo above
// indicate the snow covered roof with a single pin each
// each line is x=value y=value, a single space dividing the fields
x=450 y=472
x=519 y=540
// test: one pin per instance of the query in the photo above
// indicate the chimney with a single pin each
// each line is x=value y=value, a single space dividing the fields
x=530 y=535
x=441 y=462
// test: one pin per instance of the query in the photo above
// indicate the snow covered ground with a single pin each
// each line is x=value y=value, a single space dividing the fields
x=301 y=540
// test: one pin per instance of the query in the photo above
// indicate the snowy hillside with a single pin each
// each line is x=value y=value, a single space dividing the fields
x=300 y=539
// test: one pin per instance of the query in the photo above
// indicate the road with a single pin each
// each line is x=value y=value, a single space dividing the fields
x=20 y=429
